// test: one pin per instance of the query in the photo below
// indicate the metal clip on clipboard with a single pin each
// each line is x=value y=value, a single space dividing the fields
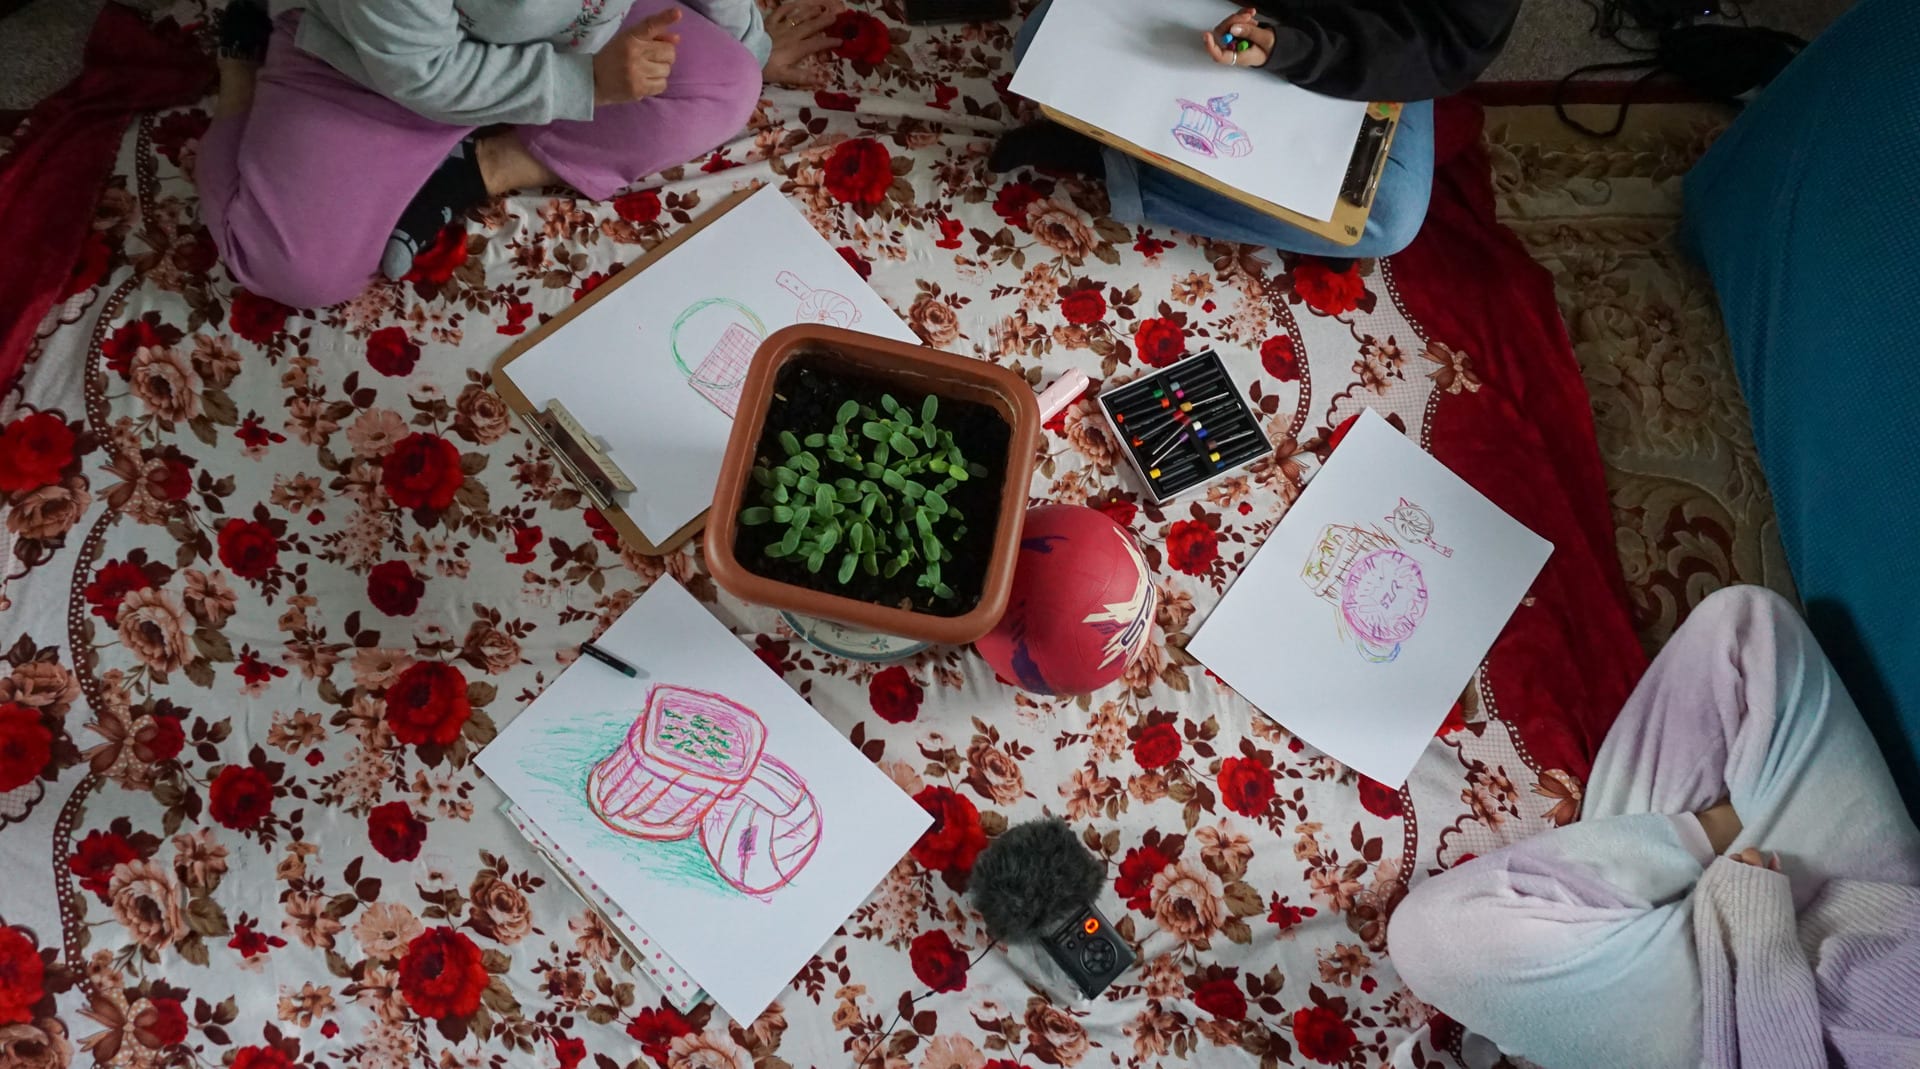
x=582 y=456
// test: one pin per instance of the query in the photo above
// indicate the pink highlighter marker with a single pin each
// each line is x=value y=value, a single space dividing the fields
x=1065 y=390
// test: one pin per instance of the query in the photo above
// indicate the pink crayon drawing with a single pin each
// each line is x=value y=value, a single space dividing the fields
x=818 y=306
x=1205 y=128
x=695 y=763
x=720 y=375
x=1377 y=588
x=760 y=839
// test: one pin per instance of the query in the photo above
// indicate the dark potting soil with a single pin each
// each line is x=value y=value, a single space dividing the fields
x=805 y=400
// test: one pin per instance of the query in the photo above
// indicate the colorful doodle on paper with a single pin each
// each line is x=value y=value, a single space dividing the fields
x=694 y=764
x=1376 y=586
x=1415 y=524
x=819 y=306
x=1205 y=128
x=722 y=370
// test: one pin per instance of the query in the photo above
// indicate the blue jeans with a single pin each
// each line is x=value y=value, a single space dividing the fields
x=1142 y=193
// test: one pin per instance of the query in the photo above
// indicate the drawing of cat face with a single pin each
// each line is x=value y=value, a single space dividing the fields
x=1411 y=521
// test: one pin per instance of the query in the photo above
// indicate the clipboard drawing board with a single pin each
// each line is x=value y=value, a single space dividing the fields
x=632 y=389
x=1247 y=135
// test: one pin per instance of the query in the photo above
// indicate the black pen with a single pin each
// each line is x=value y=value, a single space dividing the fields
x=609 y=660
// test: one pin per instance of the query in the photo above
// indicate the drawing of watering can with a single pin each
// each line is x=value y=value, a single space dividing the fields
x=818 y=306
x=1206 y=129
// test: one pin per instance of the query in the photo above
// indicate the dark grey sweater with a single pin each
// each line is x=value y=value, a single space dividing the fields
x=1386 y=49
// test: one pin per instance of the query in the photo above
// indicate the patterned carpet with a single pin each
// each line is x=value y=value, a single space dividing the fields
x=1691 y=509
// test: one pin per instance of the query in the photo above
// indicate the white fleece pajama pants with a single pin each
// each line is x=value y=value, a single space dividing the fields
x=1575 y=948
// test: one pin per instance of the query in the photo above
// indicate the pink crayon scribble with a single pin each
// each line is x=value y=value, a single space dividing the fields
x=1206 y=130
x=819 y=306
x=723 y=371
x=1377 y=589
x=695 y=761
x=1385 y=598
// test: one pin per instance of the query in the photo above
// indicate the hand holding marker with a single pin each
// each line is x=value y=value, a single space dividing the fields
x=1240 y=41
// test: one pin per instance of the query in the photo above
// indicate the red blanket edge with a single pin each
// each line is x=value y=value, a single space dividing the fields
x=51 y=182
x=1566 y=662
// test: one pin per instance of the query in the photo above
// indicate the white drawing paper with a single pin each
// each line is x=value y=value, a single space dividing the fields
x=1139 y=69
x=633 y=369
x=708 y=800
x=1367 y=611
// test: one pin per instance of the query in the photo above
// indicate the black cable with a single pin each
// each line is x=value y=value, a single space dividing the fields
x=1614 y=19
x=912 y=1002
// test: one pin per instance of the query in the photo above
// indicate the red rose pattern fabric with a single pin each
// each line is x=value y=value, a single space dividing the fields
x=858 y=172
x=956 y=837
x=34 y=450
x=21 y=976
x=864 y=39
x=394 y=589
x=277 y=572
x=428 y=704
x=442 y=974
x=395 y=832
x=422 y=471
x=937 y=962
x=896 y=697
x=438 y=262
x=249 y=549
x=240 y=797
x=25 y=745
x=391 y=352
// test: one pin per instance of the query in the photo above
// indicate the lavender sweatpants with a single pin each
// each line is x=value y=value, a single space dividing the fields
x=1575 y=947
x=301 y=191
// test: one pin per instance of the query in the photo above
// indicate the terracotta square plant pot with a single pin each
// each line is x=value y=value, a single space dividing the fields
x=909 y=368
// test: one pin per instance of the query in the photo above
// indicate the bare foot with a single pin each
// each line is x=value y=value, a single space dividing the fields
x=237 y=78
x=506 y=165
x=1721 y=824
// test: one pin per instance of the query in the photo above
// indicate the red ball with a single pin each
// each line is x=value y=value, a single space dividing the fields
x=1081 y=608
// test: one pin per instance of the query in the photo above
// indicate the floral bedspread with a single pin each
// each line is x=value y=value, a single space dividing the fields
x=273 y=577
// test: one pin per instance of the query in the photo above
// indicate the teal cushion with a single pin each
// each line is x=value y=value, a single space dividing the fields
x=1807 y=214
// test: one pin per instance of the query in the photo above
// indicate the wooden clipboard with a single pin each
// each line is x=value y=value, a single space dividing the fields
x=1349 y=220
x=529 y=411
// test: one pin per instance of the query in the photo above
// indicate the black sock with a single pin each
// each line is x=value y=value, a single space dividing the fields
x=1049 y=146
x=446 y=194
x=244 y=29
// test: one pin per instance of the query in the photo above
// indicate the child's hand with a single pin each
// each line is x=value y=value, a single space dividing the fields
x=799 y=32
x=1752 y=856
x=1242 y=26
x=635 y=64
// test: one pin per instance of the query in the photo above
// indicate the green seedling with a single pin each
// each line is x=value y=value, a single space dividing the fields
x=873 y=489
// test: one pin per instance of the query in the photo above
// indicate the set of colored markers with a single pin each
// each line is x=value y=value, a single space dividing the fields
x=1184 y=425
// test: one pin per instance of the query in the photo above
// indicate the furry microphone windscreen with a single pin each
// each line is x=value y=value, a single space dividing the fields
x=1033 y=878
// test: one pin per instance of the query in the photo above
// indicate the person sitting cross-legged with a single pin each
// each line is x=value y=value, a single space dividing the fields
x=1742 y=888
x=1409 y=51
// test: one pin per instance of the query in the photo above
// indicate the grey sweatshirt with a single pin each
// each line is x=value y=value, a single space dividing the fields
x=526 y=62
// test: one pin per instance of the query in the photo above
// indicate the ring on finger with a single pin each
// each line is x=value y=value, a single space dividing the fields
x=1233 y=59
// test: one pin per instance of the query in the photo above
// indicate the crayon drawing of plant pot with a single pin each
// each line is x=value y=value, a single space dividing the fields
x=874 y=483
